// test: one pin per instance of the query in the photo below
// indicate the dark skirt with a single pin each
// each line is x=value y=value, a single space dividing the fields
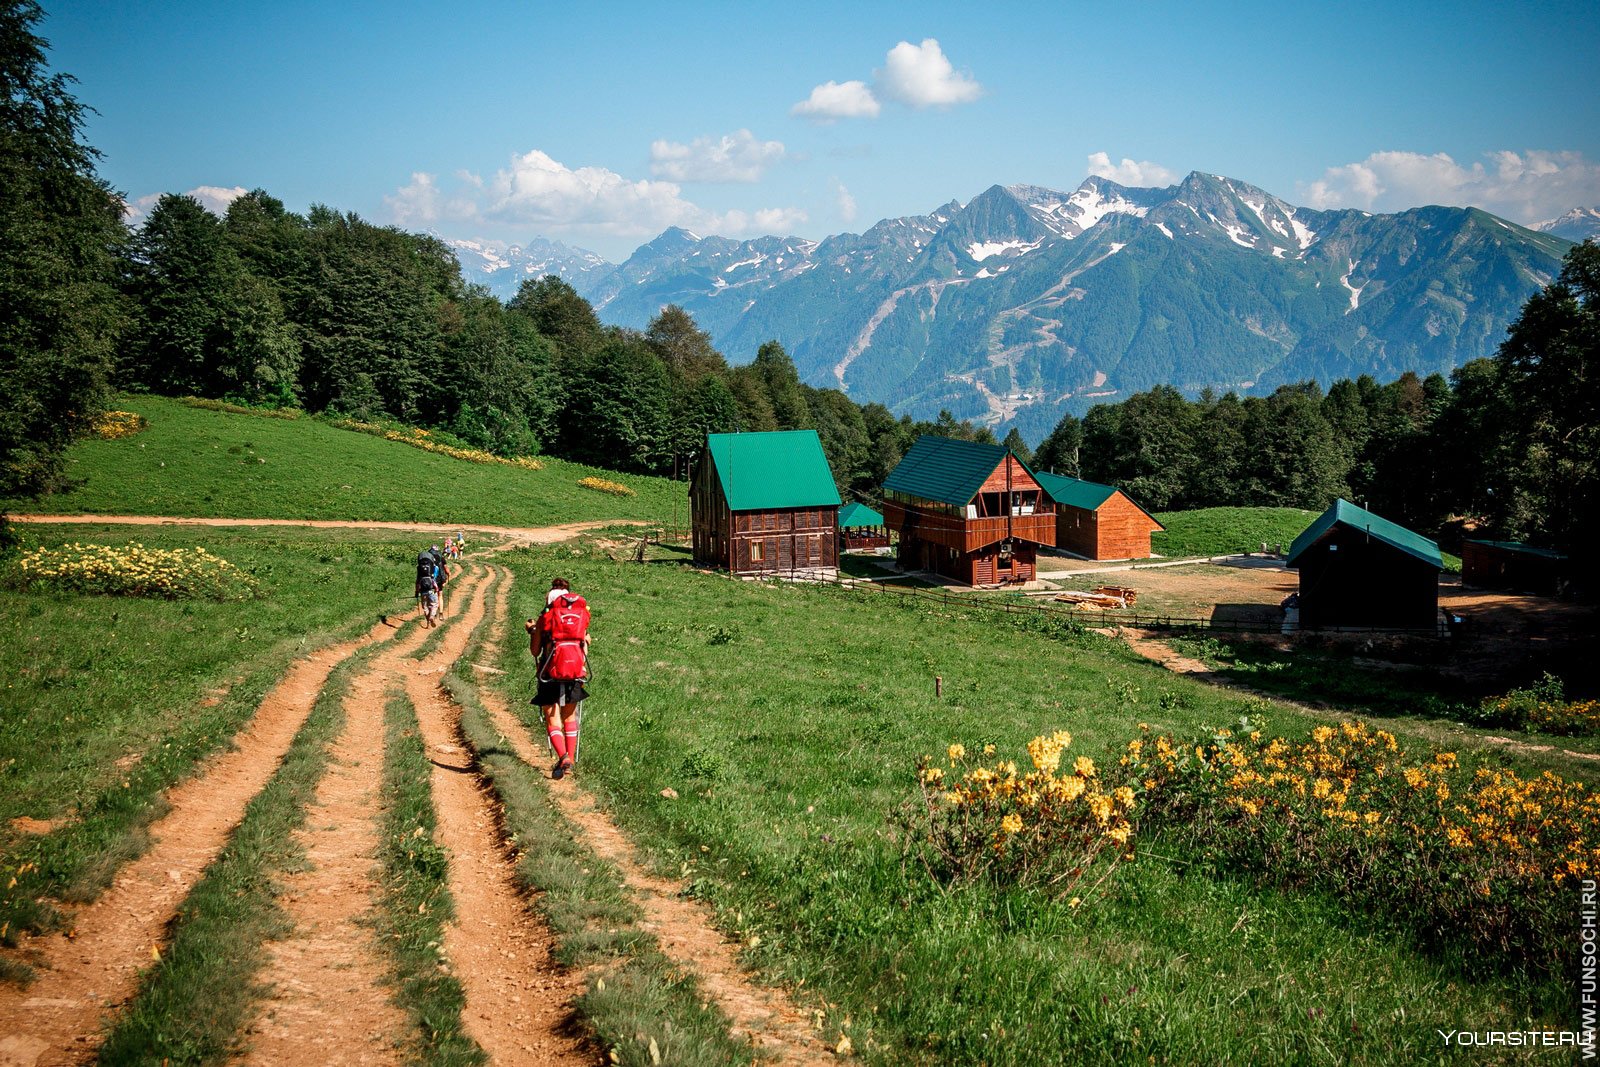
x=552 y=691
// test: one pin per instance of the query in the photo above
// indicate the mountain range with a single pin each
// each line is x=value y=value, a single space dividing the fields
x=1027 y=302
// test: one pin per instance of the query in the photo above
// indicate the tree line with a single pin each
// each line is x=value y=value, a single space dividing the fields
x=1507 y=446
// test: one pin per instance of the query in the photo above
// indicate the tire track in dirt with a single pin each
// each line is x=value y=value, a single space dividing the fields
x=94 y=967
x=329 y=1003
x=519 y=1000
x=684 y=928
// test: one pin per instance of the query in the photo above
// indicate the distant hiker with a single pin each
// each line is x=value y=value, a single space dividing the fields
x=559 y=641
x=427 y=589
x=441 y=573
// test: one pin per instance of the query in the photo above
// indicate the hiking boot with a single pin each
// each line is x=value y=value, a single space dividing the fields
x=560 y=769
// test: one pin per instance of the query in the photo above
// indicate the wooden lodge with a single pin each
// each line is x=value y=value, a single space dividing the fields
x=861 y=528
x=764 y=503
x=1512 y=566
x=971 y=512
x=1098 y=521
x=1358 y=570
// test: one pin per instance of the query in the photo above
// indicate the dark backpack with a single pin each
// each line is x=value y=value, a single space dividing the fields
x=426 y=566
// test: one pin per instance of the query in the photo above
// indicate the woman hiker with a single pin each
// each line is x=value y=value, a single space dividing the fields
x=558 y=640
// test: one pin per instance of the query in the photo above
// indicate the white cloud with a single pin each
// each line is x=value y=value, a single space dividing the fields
x=831 y=101
x=536 y=191
x=844 y=201
x=1525 y=187
x=733 y=157
x=214 y=198
x=1142 y=175
x=921 y=76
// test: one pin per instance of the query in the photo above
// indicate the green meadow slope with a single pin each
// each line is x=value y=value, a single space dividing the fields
x=196 y=462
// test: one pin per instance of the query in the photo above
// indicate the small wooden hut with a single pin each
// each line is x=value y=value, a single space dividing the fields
x=765 y=503
x=860 y=527
x=968 y=511
x=1360 y=570
x=1514 y=566
x=1098 y=521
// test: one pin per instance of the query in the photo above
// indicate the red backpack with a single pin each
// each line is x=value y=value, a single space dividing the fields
x=567 y=625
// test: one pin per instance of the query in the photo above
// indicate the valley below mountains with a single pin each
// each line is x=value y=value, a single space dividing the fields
x=1027 y=302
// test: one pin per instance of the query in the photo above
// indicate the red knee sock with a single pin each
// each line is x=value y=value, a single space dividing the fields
x=570 y=728
x=557 y=740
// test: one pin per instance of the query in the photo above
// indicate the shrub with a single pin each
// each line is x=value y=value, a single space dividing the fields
x=1542 y=707
x=1063 y=833
x=1482 y=862
x=133 y=570
x=603 y=486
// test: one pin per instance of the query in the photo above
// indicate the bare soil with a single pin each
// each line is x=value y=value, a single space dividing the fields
x=328 y=1004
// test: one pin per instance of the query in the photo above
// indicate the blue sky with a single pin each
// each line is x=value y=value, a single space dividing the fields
x=600 y=125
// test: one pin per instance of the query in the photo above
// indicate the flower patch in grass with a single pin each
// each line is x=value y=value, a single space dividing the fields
x=1062 y=831
x=1483 y=863
x=112 y=425
x=604 y=485
x=424 y=440
x=133 y=570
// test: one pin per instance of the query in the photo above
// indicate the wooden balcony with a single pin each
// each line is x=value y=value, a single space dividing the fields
x=968 y=535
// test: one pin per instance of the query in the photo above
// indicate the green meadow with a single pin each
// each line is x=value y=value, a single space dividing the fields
x=196 y=462
x=1222 y=531
x=787 y=720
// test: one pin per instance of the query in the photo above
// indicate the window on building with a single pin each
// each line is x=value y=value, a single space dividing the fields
x=758 y=551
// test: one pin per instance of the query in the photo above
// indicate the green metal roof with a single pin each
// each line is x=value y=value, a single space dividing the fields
x=782 y=469
x=854 y=514
x=1077 y=493
x=1392 y=534
x=946 y=470
x=1520 y=548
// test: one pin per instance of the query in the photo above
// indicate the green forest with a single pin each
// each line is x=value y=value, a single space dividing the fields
x=330 y=313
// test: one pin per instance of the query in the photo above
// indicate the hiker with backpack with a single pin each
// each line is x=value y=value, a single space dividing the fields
x=441 y=575
x=559 y=641
x=427 y=588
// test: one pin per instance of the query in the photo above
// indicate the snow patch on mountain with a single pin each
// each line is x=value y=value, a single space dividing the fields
x=982 y=250
x=1355 y=290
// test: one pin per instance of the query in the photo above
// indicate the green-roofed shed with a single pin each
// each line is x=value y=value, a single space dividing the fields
x=1512 y=565
x=854 y=515
x=1098 y=521
x=763 y=503
x=1360 y=570
x=860 y=527
x=968 y=511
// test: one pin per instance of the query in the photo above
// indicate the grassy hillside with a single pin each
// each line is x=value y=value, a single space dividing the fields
x=1219 y=531
x=770 y=791
x=208 y=463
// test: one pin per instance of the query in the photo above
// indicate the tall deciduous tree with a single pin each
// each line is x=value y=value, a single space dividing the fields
x=60 y=233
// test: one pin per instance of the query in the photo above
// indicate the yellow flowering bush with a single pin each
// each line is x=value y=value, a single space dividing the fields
x=423 y=439
x=1484 y=861
x=111 y=425
x=1061 y=832
x=133 y=570
x=604 y=486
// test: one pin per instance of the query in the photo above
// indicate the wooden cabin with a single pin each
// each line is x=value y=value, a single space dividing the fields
x=1513 y=566
x=764 y=503
x=860 y=527
x=971 y=512
x=1098 y=521
x=1359 y=570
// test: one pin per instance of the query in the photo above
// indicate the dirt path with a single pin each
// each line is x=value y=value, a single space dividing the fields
x=519 y=1000
x=329 y=1004
x=533 y=535
x=685 y=928
x=94 y=966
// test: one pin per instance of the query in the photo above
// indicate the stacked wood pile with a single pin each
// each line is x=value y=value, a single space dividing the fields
x=1105 y=598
